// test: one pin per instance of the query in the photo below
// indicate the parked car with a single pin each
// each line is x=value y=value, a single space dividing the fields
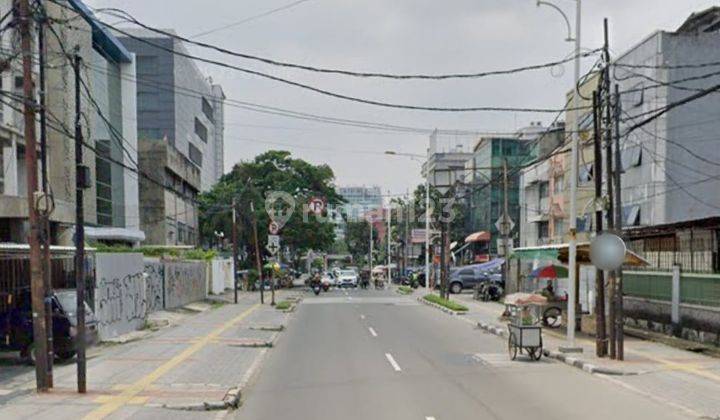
x=329 y=278
x=347 y=278
x=16 y=325
x=469 y=276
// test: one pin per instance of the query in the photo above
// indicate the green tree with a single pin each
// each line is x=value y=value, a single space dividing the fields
x=357 y=238
x=273 y=182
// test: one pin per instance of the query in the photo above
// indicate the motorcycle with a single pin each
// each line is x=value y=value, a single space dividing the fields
x=491 y=291
x=316 y=289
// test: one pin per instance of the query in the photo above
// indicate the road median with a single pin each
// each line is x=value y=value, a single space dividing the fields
x=444 y=305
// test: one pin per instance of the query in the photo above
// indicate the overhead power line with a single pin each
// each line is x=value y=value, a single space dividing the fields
x=324 y=91
x=129 y=18
x=250 y=18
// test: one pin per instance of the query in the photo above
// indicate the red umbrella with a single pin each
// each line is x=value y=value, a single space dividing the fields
x=550 y=272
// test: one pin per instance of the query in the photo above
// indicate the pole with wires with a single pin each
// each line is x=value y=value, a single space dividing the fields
x=235 y=249
x=47 y=199
x=620 y=316
x=81 y=182
x=39 y=350
x=600 y=338
x=257 y=252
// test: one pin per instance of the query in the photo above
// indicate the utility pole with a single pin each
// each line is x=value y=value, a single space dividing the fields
x=600 y=337
x=257 y=253
x=572 y=245
x=45 y=237
x=81 y=182
x=37 y=282
x=607 y=135
x=443 y=277
x=235 y=248
x=389 y=220
x=370 y=257
x=505 y=224
x=620 y=315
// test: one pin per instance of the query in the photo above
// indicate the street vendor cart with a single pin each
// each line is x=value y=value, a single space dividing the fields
x=524 y=331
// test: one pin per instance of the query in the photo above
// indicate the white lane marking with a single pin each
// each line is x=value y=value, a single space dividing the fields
x=393 y=362
x=362 y=316
x=429 y=418
x=372 y=331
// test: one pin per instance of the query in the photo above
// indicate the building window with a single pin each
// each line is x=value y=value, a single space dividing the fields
x=103 y=183
x=195 y=154
x=543 y=231
x=201 y=130
x=543 y=189
x=586 y=173
x=630 y=157
x=631 y=215
x=559 y=184
x=207 y=109
x=559 y=227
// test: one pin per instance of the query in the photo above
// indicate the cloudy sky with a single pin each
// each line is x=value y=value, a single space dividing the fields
x=393 y=36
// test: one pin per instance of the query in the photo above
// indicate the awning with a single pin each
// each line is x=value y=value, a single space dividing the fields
x=114 y=234
x=560 y=252
x=482 y=236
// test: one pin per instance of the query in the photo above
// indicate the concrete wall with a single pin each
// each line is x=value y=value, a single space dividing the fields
x=185 y=282
x=221 y=277
x=697 y=323
x=120 y=293
x=155 y=284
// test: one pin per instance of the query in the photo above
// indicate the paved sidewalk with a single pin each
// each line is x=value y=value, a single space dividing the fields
x=183 y=366
x=682 y=379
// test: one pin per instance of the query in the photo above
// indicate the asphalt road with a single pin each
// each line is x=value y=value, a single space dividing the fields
x=377 y=355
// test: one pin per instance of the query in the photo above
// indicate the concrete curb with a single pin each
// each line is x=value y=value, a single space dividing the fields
x=442 y=308
x=562 y=357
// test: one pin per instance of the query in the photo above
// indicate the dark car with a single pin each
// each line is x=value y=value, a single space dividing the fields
x=16 y=325
x=467 y=277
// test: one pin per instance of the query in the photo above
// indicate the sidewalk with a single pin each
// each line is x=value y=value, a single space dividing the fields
x=191 y=365
x=682 y=379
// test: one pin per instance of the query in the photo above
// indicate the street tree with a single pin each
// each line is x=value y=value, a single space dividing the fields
x=273 y=182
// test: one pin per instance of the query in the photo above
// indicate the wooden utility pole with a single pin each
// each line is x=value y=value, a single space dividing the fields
x=81 y=182
x=607 y=135
x=505 y=224
x=37 y=283
x=45 y=216
x=620 y=315
x=257 y=253
x=235 y=248
x=600 y=337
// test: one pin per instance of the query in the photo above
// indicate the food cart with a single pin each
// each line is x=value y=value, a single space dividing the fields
x=524 y=331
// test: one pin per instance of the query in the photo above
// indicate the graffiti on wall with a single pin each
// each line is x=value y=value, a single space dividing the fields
x=120 y=295
x=185 y=282
x=154 y=279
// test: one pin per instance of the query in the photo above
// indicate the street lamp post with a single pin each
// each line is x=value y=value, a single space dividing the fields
x=572 y=254
x=427 y=216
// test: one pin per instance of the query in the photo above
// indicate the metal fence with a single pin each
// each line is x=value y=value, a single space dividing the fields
x=15 y=276
x=696 y=289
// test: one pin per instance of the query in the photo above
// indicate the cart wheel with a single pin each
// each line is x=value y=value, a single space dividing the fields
x=535 y=353
x=512 y=347
x=551 y=317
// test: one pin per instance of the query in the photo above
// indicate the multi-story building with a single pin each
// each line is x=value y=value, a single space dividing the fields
x=111 y=202
x=485 y=181
x=446 y=158
x=177 y=103
x=359 y=200
x=542 y=212
x=170 y=211
x=670 y=167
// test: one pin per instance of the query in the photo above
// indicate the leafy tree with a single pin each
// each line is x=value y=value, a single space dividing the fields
x=276 y=183
x=357 y=238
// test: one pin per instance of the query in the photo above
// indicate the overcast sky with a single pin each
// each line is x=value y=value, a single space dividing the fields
x=396 y=36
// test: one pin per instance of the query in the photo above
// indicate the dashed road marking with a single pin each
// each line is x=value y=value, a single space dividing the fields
x=429 y=418
x=362 y=316
x=393 y=363
x=372 y=331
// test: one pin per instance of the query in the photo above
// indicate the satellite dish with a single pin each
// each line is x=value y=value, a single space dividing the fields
x=607 y=251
